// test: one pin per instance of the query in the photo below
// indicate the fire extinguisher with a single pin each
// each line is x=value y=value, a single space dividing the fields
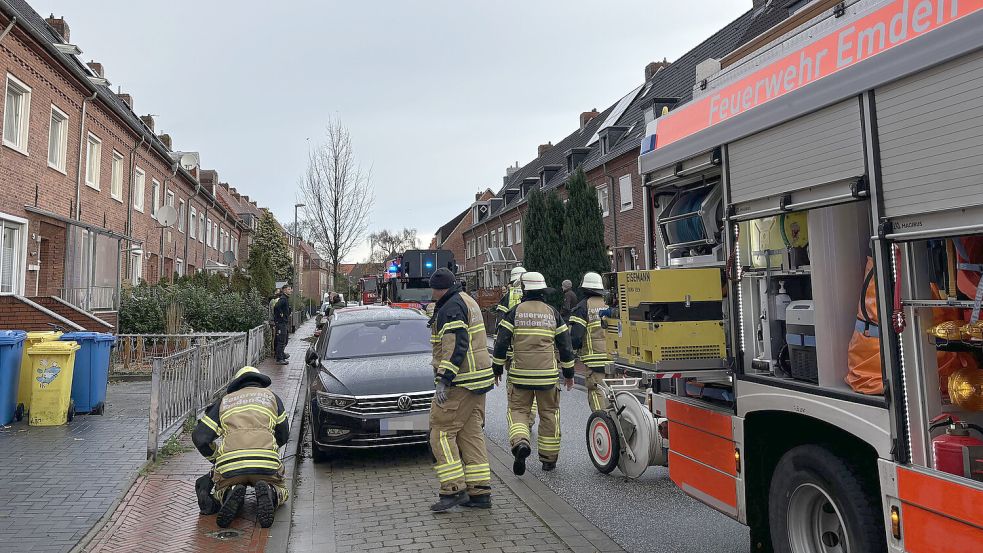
x=949 y=448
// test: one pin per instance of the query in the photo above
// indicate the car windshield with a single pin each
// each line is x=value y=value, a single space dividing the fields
x=378 y=338
x=415 y=294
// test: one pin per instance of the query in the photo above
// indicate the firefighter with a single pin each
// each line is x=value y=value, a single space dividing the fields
x=252 y=425
x=513 y=295
x=536 y=332
x=281 y=320
x=463 y=375
x=588 y=337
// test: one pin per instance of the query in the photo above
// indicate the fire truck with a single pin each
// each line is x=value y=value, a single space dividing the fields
x=803 y=350
x=368 y=289
x=407 y=277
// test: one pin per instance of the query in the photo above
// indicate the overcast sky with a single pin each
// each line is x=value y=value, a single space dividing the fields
x=439 y=96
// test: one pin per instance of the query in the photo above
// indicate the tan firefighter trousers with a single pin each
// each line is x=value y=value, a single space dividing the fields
x=595 y=398
x=520 y=415
x=276 y=480
x=457 y=440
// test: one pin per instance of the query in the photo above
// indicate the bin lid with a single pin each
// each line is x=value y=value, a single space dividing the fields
x=87 y=336
x=12 y=337
x=53 y=346
x=43 y=335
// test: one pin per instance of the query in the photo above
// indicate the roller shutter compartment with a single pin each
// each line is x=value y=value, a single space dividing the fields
x=823 y=147
x=930 y=127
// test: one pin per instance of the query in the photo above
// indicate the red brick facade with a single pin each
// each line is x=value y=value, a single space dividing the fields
x=628 y=244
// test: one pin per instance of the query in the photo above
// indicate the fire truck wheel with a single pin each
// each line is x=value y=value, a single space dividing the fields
x=817 y=503
x=603 y=442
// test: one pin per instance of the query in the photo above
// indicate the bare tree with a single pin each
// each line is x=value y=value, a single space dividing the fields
x=337 y=194
x=387 y=244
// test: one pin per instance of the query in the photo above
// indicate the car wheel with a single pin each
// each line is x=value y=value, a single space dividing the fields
x=603 y=442
x=817 y=503
x=319 y=455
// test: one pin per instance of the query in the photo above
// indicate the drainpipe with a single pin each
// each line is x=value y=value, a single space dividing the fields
x=82 y=143
x=129 y=197
x=160 y=259
x=614 y=215
x=187 y=230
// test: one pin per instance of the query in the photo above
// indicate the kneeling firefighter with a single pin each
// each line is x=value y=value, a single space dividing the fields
x=252 y=425
x=536 y=332
x=587 y=336
x=462 y=377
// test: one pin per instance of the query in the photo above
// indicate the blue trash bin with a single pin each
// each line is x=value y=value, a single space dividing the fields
x=11 y=349
x=91 y=370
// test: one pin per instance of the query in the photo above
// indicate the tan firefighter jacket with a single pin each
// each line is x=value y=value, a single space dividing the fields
x=536 y=333
x=586 y=332
x=460 y=350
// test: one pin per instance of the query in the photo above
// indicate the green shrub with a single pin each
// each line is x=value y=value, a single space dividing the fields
x=210 y=304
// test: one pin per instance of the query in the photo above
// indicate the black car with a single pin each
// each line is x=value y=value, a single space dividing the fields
x=371 y=382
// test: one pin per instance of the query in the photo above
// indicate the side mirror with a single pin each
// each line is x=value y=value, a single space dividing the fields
x=311 y=358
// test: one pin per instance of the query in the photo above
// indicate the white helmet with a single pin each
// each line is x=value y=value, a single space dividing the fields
x=533 y=281
x=592 y=281
x=516 y=274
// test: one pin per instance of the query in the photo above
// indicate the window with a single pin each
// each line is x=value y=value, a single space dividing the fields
x=208 y=233
x=16 y=114
x=602 y=200
x=501 y=237
x=155 y=198
x=180 y=215
x=57 y=140
x=624 y=192
x=235 y=248
x=518 y=231
x=179 y=267
x=508 y=234
x=136 y=267
x=93 y=161
x=215 y=235
x=139 y=191
x=12 y=256
x=193 y=224
x=116 y=177
x=201 y=227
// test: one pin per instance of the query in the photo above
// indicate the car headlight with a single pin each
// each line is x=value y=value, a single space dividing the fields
x=336 y=432
x=333 y=401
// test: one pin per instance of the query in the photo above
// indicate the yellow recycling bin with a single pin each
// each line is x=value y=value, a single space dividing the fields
x=52 y=367
x=26 y=370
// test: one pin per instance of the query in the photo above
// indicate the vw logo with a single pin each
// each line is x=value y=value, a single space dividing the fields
x=405 y=403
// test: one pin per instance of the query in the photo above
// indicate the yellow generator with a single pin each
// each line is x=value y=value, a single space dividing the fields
x=667 y=319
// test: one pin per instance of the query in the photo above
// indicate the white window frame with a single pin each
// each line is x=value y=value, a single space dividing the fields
x=201 y=227
x=93 y=171
x=60 y=118
x=24 y=124
x=518 y=231
x=508 y=234
x=179 y=267
x=20 y=253
x=604 y=200
x=181 y=214
x=116 y=177
x=169 y=197
x=136 y=267
x=193 y=223
x=208 y=233
x=623 y=183
x=139 y=189
x=154 y=197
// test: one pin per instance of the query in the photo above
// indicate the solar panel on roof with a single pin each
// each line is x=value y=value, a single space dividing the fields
x=616 y=113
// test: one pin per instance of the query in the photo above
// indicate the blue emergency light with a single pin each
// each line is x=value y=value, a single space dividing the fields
x=428 y=264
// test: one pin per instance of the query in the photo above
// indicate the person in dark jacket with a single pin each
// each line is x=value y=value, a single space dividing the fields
x=569 y=300
x=281 y=320
x=252 y=424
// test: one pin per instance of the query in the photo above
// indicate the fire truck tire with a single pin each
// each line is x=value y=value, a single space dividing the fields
x=603 y=442
x=818 y=503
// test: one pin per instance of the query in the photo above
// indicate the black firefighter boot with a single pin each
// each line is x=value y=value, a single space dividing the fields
x=267 y=500
x=549 y=465
x=480 y=501
x=231 y=505
x=203 y=490
x=450 y=501
x=520 y=452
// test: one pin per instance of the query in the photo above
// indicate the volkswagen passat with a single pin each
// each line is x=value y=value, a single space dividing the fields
x=370 y=378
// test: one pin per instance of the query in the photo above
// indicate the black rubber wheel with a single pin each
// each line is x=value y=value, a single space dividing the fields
x=19 y=412
x=819 y=503
x=603 y=442
x=71 y=410
x=319 y=455
x=101 y=409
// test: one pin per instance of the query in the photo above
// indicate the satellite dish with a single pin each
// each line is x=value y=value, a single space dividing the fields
x=229 y=257
x=166 y=216
x=189 y=161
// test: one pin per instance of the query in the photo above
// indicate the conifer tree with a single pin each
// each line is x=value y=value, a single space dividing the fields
x=270 y=242
x=583 y=232
x=542 y=235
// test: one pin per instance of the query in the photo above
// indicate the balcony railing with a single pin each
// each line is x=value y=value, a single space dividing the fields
x=92 y=298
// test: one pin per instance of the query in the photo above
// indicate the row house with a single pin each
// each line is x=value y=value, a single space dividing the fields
x=84 y=182
x=450 y=235
x=314 y=278
x=606 y=146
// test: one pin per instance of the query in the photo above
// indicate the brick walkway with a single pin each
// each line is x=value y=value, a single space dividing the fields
x=57 y=482
x=160 y=512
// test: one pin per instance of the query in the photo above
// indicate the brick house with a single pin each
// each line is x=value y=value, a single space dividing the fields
x=314 y=281
x=450 y=236
x=84 y=179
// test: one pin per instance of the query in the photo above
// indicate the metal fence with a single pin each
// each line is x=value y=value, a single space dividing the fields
x=258 y=344
x=134 y=353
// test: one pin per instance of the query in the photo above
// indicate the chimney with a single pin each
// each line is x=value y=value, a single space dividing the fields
x=126 y=98
x=754 y=4
x=97 y=69
x=511 y=169
x=148 y=120
x=586 y=116
x=166 y=139
x=654 y=67
x=543 y=148
x=60 y=27
x=245 y=198
x=254 y=204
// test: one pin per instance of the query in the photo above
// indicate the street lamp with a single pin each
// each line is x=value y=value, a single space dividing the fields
x=296 y=243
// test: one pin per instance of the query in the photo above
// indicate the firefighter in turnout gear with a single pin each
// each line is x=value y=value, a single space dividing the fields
x=536 y=333
x=457 y=415
x=588 y=337
x=514 y=295
x=241 y=434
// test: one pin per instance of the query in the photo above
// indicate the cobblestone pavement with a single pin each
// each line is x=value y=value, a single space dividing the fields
x=57 y=482
x=646 y=515
x=160 y=511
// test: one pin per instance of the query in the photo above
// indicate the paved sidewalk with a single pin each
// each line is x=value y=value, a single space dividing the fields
x=160 y=512
x=56 y=482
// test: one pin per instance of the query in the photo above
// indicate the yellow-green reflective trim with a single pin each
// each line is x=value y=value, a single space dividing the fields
x=253 y=464
x=207 y=421
x=578 y=320
x=272 y=454
x=507 y=325
x=561 y=329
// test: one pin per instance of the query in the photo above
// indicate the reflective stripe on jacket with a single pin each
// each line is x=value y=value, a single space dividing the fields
x=536 y=333
x=587 y=334
x=459 y=343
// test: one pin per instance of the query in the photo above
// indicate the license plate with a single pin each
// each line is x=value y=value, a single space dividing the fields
x=417 y=422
